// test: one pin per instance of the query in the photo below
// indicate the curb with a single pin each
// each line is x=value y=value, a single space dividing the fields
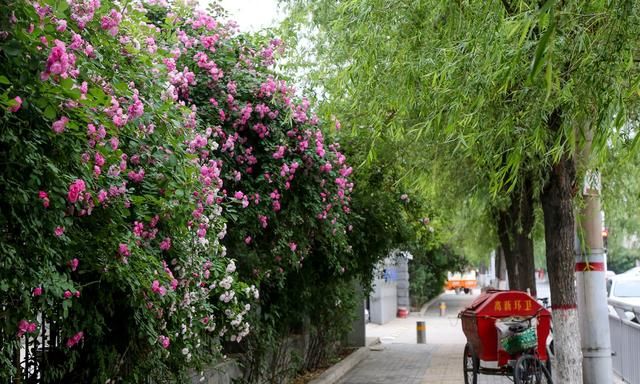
x=425 y=306
x=335 y=372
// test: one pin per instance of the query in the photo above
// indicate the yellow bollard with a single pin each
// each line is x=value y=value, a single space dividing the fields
x=421 y=332
x=443 y=309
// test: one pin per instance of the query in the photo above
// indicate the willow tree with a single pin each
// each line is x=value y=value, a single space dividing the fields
x=523 y=86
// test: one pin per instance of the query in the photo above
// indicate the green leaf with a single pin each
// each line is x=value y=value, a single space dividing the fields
x=540 y=50
x=67 y=83
x=549 y=79
x=4 y=80
x=13 y=49
x=61 y=7
x=50 y=112
x=547 y=6
x=65 y=308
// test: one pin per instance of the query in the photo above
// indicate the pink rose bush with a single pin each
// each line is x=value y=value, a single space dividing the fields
x=105 y=218
x=162 y=151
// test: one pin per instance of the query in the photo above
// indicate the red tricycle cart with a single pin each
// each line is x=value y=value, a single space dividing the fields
x=510 y=328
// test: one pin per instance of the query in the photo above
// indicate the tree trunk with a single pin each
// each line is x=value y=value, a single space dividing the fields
x=557 y=204
x=503 y=265
x=505 y=234
x=524 y=239
x=515 y=225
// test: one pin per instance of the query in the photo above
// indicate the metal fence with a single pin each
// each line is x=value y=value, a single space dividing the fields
x=37 y=351
x=625 y=340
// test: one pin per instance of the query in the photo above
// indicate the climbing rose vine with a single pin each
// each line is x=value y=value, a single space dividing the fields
x=110 y=234
x=134 y=137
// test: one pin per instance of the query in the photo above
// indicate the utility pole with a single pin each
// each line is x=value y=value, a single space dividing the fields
x=591 y=286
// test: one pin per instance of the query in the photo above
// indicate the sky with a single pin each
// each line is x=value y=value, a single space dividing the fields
x=252 y=15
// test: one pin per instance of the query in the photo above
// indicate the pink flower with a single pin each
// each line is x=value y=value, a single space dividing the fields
x=279 y=154
x=61 y=25
x=114 y=143
x=59 y=62
x=26 y=327
x=77 y=293
x=75 y=190
x=58 y=231
x=165 y=244
x=99 y=159
x=82 y=11
x=151 y=45
x=59 y=125
x=15 y=108
x=67 y=294
x=37 y=291
x=75 y=339
x=247 y=240
x=157 y=288
x=164 y=341
x=123 y=249
x=293 y=246
x=110 y=22
x=44 y=197
x=73 y=264
x=136 y=177
x=138 y=228
x=238 y=195
x=102 y=196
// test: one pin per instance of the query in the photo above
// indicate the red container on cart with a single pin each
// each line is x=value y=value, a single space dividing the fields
x=478 y=322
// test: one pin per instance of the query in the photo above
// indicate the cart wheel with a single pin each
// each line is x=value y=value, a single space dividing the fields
x=530 y=370
x=470 y=366
x=457 y=291
x=467 y=291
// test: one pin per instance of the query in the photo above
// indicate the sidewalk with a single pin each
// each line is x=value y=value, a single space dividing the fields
x=441 y=358
x=400 y=360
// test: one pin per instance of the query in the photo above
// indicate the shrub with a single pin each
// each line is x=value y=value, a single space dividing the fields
x=110 y=240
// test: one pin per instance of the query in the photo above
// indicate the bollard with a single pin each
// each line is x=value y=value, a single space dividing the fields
x=421 y=332
x=443 y=309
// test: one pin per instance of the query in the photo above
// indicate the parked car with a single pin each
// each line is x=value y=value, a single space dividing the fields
x=632 y=271
x=624 y=288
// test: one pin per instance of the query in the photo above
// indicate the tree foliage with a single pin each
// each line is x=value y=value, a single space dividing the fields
x=522 y=89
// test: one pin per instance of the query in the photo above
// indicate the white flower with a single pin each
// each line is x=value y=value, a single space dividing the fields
x=223 y=232
x=231 y=267
x=226 y=282
x=227 y=296
x=185 y=351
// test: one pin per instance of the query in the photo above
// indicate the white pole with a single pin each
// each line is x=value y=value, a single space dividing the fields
x=591 y=286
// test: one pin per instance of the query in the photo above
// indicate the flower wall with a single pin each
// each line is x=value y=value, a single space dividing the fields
x=137 y=141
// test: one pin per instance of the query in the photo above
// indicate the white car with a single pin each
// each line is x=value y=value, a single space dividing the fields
x=632 y=271
x=625 y=288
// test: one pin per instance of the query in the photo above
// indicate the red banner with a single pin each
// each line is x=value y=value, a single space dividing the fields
x=586 y=266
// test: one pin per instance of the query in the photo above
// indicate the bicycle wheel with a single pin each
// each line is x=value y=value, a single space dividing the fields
x=530 y=370
x=470 y=366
